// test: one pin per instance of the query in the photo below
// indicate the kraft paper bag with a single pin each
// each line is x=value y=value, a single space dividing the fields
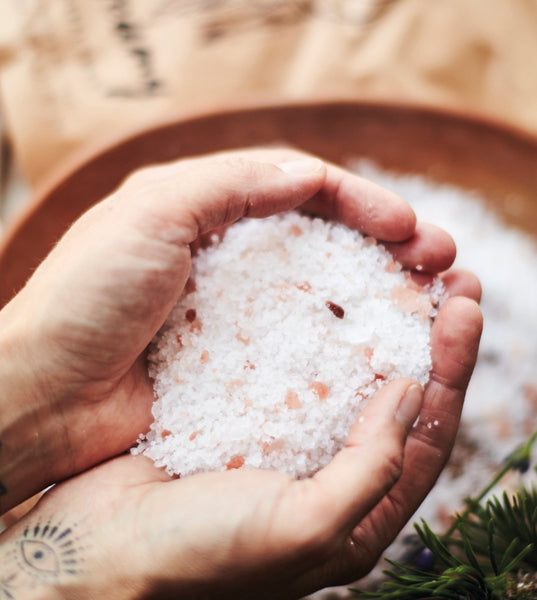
x=75 y=73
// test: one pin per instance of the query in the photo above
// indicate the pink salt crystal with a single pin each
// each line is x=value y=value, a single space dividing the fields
x=292 y=401
x=204 y=357
x=369 y=353
x=530 y=395
x=242 y=337
x=305 y=287
x=195 y=327
x=411 y=301
x=390 y=267
x=273 y=446
x=320 y=389
x=502 y=426
x=235 y=463
x=295 y=230
x=233 y=385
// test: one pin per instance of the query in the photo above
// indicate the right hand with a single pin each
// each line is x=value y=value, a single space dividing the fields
x=74 y=389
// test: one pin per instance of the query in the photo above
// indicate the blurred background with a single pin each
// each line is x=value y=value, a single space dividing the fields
x=75 y=73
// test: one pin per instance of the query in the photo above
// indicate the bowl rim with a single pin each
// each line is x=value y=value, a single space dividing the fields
x=68 y=168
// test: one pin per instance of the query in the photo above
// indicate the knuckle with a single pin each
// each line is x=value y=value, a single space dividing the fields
x=242 y=166
x=391 y=465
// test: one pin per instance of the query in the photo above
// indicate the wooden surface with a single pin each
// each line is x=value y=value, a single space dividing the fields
x=498 y=162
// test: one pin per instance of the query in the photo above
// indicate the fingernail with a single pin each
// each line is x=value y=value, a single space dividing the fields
x=410 y=406
x=302 y=166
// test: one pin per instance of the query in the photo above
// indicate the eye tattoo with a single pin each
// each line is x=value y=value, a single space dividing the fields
x=45 y=552
x=49 y=549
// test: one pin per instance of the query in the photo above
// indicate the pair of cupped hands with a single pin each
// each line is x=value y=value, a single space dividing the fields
x=75 y=395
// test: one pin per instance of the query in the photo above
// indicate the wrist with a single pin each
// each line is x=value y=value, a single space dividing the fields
x=31 y=436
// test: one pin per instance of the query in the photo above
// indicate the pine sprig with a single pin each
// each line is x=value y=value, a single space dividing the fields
x=488 y=553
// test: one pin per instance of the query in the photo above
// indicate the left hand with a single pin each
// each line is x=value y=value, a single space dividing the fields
x=72 y=341
x=255 y=534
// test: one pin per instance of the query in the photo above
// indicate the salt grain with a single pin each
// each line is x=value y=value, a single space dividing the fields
x=290 y=329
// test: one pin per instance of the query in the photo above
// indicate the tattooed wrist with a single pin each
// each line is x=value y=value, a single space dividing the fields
x=41 y=560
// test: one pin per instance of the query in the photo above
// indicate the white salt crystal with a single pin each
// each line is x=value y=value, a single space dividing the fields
x=293 y=325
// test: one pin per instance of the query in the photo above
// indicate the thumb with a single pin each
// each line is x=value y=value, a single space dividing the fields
x=122 y=266
x=363 y=472
x=187 y=199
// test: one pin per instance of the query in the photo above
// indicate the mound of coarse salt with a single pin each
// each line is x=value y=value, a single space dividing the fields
x=289 y=326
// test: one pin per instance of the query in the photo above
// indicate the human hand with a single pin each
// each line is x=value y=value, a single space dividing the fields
x=73 y=338
x=134 y=533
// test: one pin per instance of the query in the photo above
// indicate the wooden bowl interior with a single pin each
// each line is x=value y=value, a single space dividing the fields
x=497 y=162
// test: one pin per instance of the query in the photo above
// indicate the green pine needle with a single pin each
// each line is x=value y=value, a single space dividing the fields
x=488 y=553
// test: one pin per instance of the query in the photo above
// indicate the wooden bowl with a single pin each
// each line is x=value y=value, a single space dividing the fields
x=498 y=161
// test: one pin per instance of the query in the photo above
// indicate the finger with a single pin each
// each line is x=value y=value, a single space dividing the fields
x=363 y=472
x=363 y=205
x=348 y=198
x=188 y=202
x=455 y=341
x=429 y=250
x=459 y=282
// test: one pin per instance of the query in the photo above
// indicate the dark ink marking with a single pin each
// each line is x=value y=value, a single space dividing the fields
x=141 y=53
x=154 y=84
x=141 y=56
x=63 y=534
x=40 y=557
x=4 y=592
x=45 y=552
x=127 y=31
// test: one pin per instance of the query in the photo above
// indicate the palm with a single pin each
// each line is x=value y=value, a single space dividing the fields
x=107 y=287
x=260 y=533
